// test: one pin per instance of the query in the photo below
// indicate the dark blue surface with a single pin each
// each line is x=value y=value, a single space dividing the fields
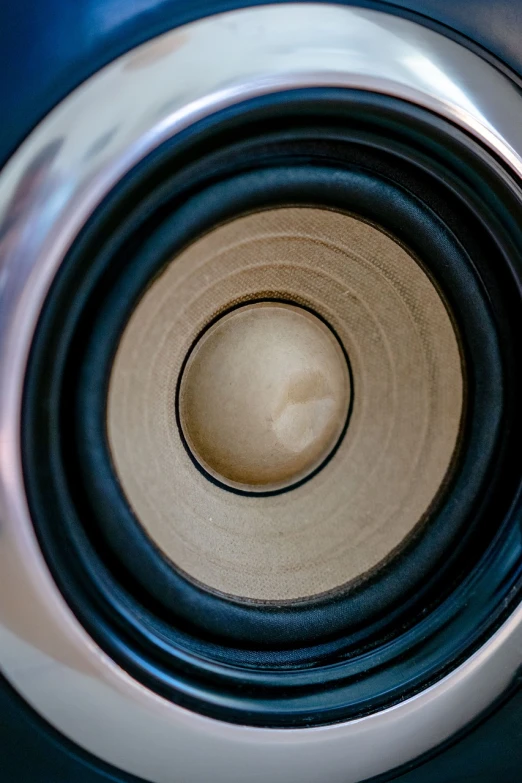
x=47 y=47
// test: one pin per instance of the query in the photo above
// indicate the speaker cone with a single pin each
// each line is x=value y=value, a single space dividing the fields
x=265 y=395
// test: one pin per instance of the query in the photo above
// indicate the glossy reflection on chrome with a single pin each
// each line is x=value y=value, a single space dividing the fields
x=47 y=192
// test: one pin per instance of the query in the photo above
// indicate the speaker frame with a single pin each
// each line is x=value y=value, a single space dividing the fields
x=73 y=177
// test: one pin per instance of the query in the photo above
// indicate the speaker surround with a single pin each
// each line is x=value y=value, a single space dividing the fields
x=171 y=638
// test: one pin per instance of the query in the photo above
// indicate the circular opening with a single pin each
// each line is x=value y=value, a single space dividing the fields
x=345 y=635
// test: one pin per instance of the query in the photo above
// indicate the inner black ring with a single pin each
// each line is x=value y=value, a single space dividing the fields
x=433 y=190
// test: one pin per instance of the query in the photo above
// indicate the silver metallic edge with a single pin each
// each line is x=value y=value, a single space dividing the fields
x=47 y=191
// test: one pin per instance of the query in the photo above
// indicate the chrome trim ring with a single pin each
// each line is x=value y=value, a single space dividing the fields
x=47 y=192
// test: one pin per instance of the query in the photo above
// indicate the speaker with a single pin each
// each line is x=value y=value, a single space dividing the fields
x=260 y=316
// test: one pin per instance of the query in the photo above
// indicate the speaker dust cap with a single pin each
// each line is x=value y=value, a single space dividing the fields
x=264 y=396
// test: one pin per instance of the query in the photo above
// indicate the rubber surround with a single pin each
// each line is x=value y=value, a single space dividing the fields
x=395 y=652
x=360 y=603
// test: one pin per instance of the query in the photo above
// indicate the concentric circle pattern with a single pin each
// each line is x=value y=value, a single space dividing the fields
x=193 y=655
x=403 y=430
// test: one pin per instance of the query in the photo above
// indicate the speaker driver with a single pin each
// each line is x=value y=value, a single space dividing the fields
x=264 y=398
x=368 y=224
x=219 y=569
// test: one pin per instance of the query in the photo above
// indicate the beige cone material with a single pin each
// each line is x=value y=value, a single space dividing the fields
x=392 y=464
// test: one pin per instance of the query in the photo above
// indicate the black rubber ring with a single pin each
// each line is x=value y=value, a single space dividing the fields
x=320 y=617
